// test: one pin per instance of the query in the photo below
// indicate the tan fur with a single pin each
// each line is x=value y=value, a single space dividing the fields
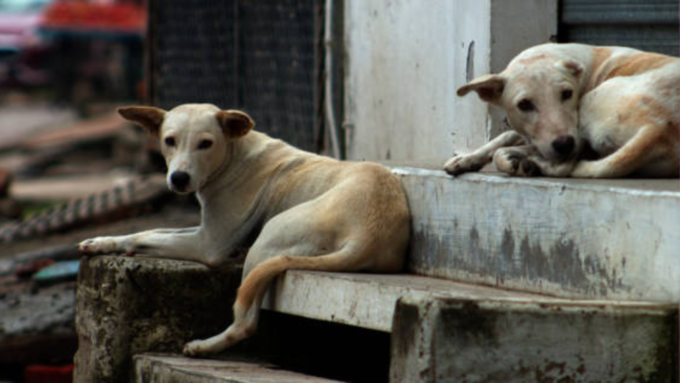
x=307 y=211
x=600 y=72
x=149 y=117
x=621 y=102
x=640 y=63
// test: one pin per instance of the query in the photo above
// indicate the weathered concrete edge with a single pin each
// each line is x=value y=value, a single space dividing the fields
x=130 y=305
x=363 y=300
x=451 y=340
x=369 y=300
x=159 y=368
x=169 y=368
x=625 y=186
x=568 y=238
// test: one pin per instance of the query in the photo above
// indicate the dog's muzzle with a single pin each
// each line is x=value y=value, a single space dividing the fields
x=180 y=180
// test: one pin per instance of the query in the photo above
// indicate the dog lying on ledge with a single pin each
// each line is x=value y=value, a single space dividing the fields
x=303 y=211
x=582 y=111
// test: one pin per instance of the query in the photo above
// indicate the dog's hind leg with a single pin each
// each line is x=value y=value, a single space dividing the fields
x=648 y=146
x=244 y=325
x=253 y=288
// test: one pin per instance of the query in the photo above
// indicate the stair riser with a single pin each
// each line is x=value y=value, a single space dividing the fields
x=440 y=340
x=575 y=242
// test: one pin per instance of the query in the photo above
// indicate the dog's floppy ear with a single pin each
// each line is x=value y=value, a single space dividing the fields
x=234 y=123
x=148 y=117
x=489 y=87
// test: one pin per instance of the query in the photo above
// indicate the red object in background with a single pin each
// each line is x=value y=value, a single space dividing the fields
x=22 y=52
x=49 y=374
x=94 y=16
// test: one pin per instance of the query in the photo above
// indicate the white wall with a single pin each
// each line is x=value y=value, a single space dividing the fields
x=405 y=60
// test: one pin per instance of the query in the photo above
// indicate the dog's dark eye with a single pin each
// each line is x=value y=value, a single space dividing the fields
x=566 y=95
x=169 y=141
x=205 y=144
x=526 y=105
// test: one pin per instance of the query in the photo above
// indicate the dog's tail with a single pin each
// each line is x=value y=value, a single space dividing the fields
x=255 y=283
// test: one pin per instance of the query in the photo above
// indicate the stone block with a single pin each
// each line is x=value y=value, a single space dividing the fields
x=461 y=340
x=127 y=306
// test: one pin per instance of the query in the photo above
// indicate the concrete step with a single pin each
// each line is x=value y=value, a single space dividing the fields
x=438 y=328
x=445 y=331
x=159 y=368
x=369 y=300
x=364 y=300
x=611 y=239
x=462 y=340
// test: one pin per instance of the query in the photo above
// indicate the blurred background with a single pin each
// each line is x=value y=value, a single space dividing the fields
x=64 y=67
x=63 y=62
x=71 y=52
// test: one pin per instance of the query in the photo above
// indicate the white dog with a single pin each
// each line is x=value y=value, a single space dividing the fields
x=303 y=211
x=582 y=111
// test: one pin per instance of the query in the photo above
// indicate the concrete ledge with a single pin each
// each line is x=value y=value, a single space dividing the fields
x=363 y=300
x=614 y=239
x=369 y=300
x=171 y=369
x=461 y=340
x=128 y=305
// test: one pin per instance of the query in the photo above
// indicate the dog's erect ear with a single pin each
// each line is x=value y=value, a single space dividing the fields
x=234 y=123
x=148 y=117
x=572 y=67
x=489 y=87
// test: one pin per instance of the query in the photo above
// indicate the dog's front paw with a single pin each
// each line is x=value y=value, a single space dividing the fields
x=517 y=164
x=460 y=164
x=194 y=348
x=529 y=168
x=100 y=245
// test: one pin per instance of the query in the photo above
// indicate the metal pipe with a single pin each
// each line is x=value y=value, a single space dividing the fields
x=330 y=111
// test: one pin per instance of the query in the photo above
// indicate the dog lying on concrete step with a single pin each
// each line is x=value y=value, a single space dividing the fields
x=582 y=111
x=305 y=211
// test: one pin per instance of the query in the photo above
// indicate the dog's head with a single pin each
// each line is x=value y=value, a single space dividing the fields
x=194 y=139
x=540 y=97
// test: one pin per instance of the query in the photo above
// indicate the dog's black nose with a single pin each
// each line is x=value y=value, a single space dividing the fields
x=180 y=180
x=564 y=145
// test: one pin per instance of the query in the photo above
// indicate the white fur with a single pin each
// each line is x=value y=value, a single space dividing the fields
x=628 y=137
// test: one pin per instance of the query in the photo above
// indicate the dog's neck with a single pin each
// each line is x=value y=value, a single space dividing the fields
x=253 y=150
x=251 y=164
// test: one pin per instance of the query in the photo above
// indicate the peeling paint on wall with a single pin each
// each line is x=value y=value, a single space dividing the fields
x=470 y=62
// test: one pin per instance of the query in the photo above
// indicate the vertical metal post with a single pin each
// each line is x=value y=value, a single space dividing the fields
x=330 y=110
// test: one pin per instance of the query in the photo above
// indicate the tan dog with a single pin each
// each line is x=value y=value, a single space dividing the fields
x=582 y=111
x=304 y=211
